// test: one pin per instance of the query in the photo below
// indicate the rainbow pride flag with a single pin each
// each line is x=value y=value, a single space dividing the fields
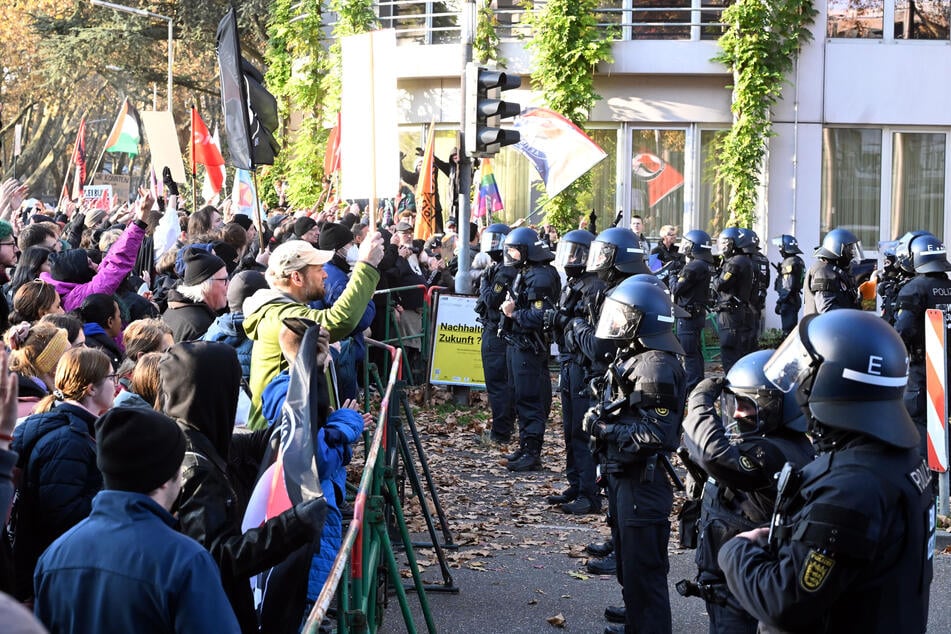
x=488 y=200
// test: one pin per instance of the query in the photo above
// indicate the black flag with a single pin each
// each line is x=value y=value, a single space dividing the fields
x=250 y=111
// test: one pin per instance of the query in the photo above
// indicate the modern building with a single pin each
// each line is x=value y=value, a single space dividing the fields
x=861 y=134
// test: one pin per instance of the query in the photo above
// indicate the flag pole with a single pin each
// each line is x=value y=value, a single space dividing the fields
x=72 y=158
x=257 y=207
x=192 y=147
x=373 y=192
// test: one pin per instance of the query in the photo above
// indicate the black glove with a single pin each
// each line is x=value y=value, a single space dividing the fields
x=334 y=437
x=779 y=308
x=169 y=182
x=313 y=513
x=590 y=420
x=550 y=318
x=707 y=390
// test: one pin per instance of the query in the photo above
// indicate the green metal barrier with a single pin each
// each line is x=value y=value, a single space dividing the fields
x=399 y=341
x=366 y=549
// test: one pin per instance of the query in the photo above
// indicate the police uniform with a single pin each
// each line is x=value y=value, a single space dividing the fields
x=738 y=496
x=735 y=315
x=924 y=291
x=691 y=291
x=789 y=287
x=761 y=277
x=577 y=299
x=890 y=282
x=854 y=552
x=632 y=441
x=527 y=352
x=493 y=289
x=829 y=287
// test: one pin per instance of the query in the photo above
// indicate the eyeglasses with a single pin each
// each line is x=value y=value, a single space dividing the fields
x=219 y=279
x=8 y=244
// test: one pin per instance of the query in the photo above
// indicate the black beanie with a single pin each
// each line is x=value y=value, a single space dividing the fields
x=242 y=286
x=200 y=265
x=302 y=225
x=244 y=221
x=71 y=266
x=138 y=449
x=334 y=236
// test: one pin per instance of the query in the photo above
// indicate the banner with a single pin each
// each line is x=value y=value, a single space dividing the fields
x=163 y=142
x=661 y=179
x=369 y=144
x=119 y=183
x=560 y=151
x=425 y=225
x=98 y=197
x=457 y=342
x=79 y=160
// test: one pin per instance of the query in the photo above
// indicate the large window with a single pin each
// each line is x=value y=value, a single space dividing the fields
x=851 y=183
x=657 y=178
x=918 y=182
x=713 y=197
x=602 y=198
x=921 y=19
x=855 y=18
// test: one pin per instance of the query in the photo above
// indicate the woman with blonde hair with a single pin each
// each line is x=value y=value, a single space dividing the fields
x=57 y=458
x=141 y=337
x=143 y=385
x=35 y=351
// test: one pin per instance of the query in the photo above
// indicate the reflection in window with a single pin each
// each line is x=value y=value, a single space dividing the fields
x=511 y=17
x=661 y=20
x=713 y=207
x=851 y=183
x=711 y=18
x=855 y=18
x=918 y=182
x=513 y=175
x=921 y=19
x=421 y=21
x=657 y=178
x=602 y=196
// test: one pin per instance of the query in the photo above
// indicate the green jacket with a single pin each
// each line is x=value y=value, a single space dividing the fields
x=263 y=315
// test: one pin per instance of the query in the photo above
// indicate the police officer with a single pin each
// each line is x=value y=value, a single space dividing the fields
x=534 y=290
x=494 y=285
x=577 y=295
x=889 y=280
x=850 y=549
x=691 y=291
x=761 y=277
x=829 y=284
x=636 y=424
x=929 y=288
x=789 y=277
x=760 y=430
x=734 y=286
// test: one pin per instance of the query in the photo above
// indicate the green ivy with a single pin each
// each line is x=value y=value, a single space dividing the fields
x=485 y=44
x=759 y=46
x=567 y=46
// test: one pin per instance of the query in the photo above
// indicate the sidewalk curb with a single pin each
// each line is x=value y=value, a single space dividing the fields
x=942 y=540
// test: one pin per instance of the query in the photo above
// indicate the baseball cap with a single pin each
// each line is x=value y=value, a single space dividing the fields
x=404 y=226
x=294 y=255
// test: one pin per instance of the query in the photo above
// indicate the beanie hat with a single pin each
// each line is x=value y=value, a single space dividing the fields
x=303 y=225
x=244 y=221
x=242 y=286
x=71 y=266
x=200 y=265
x=334 y=236
x=138 y=449
x=6 y=229
x=94 y=218
x=349 y=219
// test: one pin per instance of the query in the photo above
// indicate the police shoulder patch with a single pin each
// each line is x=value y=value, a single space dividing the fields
x=539 y=304
x=787 y=269
x=497 y=288
x=815 y=571
x=727 y=275
x=747 y=464
x=661 y=411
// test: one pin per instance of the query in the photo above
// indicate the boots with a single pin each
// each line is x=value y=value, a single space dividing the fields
x=515 y=455
x=582 y=506
x=530 y=460
x=568 y=495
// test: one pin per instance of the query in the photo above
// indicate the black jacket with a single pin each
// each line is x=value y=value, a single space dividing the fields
x=108 y=345
x=188 y=320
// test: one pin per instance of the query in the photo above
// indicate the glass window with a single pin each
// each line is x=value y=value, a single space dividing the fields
x=921 y=19
x=511 y=17
x=514 y=177
x=851 y=183
x=602 y=197
x=661 y=20
x=713 y=207
x=855 y=18
x=711 y=17
x=918 y=161
x=657 y=178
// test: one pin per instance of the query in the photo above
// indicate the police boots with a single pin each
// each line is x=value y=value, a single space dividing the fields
x=530 y=460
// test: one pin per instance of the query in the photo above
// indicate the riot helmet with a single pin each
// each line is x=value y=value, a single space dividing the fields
x=616 y=250
x=755 y=405
x=928 y=255
x=733 y=240
x=492 y=240
x=528 y=246
x=849 y=369
x=571 y=255
x=751 y=244
x=788 y=245
x=653 y=280
x=903 y=256
x=696 y=244
x=841 y=246
x=635 y=311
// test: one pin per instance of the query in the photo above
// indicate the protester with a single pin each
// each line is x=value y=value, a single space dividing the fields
x=102 y=325
x=193 y=306
x=33 y=301
x=57 y=458
x=38 y=235
x=8 y=458
x=229 y=328
x=69 y=323
x=35 y=352
x=32 y=262
x=142 y=387
x=132 y=569
x=8 y=257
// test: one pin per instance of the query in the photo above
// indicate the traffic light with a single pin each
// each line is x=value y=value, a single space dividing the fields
x=485 y=109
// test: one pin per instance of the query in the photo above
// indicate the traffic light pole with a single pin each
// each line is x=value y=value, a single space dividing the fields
x=463 y=285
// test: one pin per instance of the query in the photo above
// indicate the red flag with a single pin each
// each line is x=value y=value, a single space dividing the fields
x=661 y=177
x=426 y=192
x=332 y=153
x=204 y=150
x=79 y=160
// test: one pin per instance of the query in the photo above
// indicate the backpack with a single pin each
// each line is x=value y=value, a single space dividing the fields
x=760 y=281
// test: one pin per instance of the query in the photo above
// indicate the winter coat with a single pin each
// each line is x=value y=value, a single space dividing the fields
x=263 y=315
x=229 y=329
x=57 y=457
x=112 y=270
x=97 y=337
x=134 y=573
x=188 y=320
x=31 y=390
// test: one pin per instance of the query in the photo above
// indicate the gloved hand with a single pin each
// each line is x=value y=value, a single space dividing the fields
x=590 y=419
x=553 y=318
x=707 y=391
x=313 y=513
x=779 y=308
x=169 y=182
x=334 y=437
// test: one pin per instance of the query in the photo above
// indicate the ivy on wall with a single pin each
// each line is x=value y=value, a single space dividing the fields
x=567 y=46
x=485 y=43
x=759 y=46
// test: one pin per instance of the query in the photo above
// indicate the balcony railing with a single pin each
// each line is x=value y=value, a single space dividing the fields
x=428 y=22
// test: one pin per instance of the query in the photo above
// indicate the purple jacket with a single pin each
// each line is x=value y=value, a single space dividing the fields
x=115 y=266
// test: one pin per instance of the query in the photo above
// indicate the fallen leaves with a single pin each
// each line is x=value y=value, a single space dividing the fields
x=558 y=620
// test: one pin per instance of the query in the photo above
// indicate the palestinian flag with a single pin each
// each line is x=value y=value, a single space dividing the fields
x=125 y=135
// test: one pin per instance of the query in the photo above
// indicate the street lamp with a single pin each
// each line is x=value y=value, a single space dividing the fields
x=146 y=14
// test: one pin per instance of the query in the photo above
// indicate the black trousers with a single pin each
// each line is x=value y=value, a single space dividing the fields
x=579 y=463
x=497 y=384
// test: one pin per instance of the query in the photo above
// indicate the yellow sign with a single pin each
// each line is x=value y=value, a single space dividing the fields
x=457 y=342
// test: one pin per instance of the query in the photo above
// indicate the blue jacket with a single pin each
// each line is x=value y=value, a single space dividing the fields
x=229 y=329
x=334 y=286
x=60 y=479
x=126 y=569
x=332 y=460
